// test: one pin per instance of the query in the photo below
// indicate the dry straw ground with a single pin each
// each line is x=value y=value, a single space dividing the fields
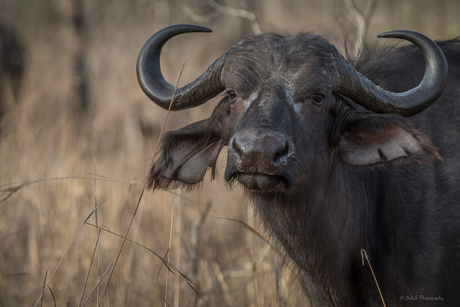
x=58 y=163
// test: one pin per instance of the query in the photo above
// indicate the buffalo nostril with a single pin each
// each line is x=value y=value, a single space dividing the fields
x=281 y=154
x=259 y=152
x=236 y=149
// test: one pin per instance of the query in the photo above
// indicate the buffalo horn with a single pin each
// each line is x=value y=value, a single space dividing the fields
x=371 y=96
x=159 y=90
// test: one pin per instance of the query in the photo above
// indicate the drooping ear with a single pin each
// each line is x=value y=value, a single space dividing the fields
x=185 y=157
x=375 y=138
x=187 y=153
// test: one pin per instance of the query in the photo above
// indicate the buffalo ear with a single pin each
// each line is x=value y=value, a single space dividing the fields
x=185 y=156
x=187 y=153
x=375 y=138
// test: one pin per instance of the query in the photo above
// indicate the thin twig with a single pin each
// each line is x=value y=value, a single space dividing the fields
x=167 y=114
x=44 y=287
x=195 y=239
x=194 y=242
x=9 y=189
x=97 y=285
x=220 y=9
x=52 y=294
x=223 y=284
x=159 y=272
x=169 y=249
x=97 y=224
x=90 y=265
x=364 y=255
x=361 y=20
x=247 y=227
x=177 y=235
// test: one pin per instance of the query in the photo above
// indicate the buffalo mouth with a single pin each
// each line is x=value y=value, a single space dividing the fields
x=262 y=182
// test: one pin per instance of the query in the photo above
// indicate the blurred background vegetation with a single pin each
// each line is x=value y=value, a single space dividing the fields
x=79 y=132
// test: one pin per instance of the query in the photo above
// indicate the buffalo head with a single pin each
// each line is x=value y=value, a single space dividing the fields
x=293 y=108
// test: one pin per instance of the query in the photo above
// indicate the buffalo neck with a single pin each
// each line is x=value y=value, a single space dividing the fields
x=323 y=230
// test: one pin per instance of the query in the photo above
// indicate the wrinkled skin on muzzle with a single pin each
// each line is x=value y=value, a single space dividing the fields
x=257 y=158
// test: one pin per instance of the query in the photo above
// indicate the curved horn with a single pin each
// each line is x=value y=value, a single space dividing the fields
x=364 y=92
x=159 y=90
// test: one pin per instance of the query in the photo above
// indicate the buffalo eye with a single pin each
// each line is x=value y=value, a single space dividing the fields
x=318 y=98
x=231 y=95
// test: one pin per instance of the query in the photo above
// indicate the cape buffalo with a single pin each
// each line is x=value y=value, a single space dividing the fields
x=336 y=156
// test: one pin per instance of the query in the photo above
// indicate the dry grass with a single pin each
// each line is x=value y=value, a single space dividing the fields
x=68 y=163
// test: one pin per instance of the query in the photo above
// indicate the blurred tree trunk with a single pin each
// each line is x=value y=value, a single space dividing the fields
x=80 y=64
